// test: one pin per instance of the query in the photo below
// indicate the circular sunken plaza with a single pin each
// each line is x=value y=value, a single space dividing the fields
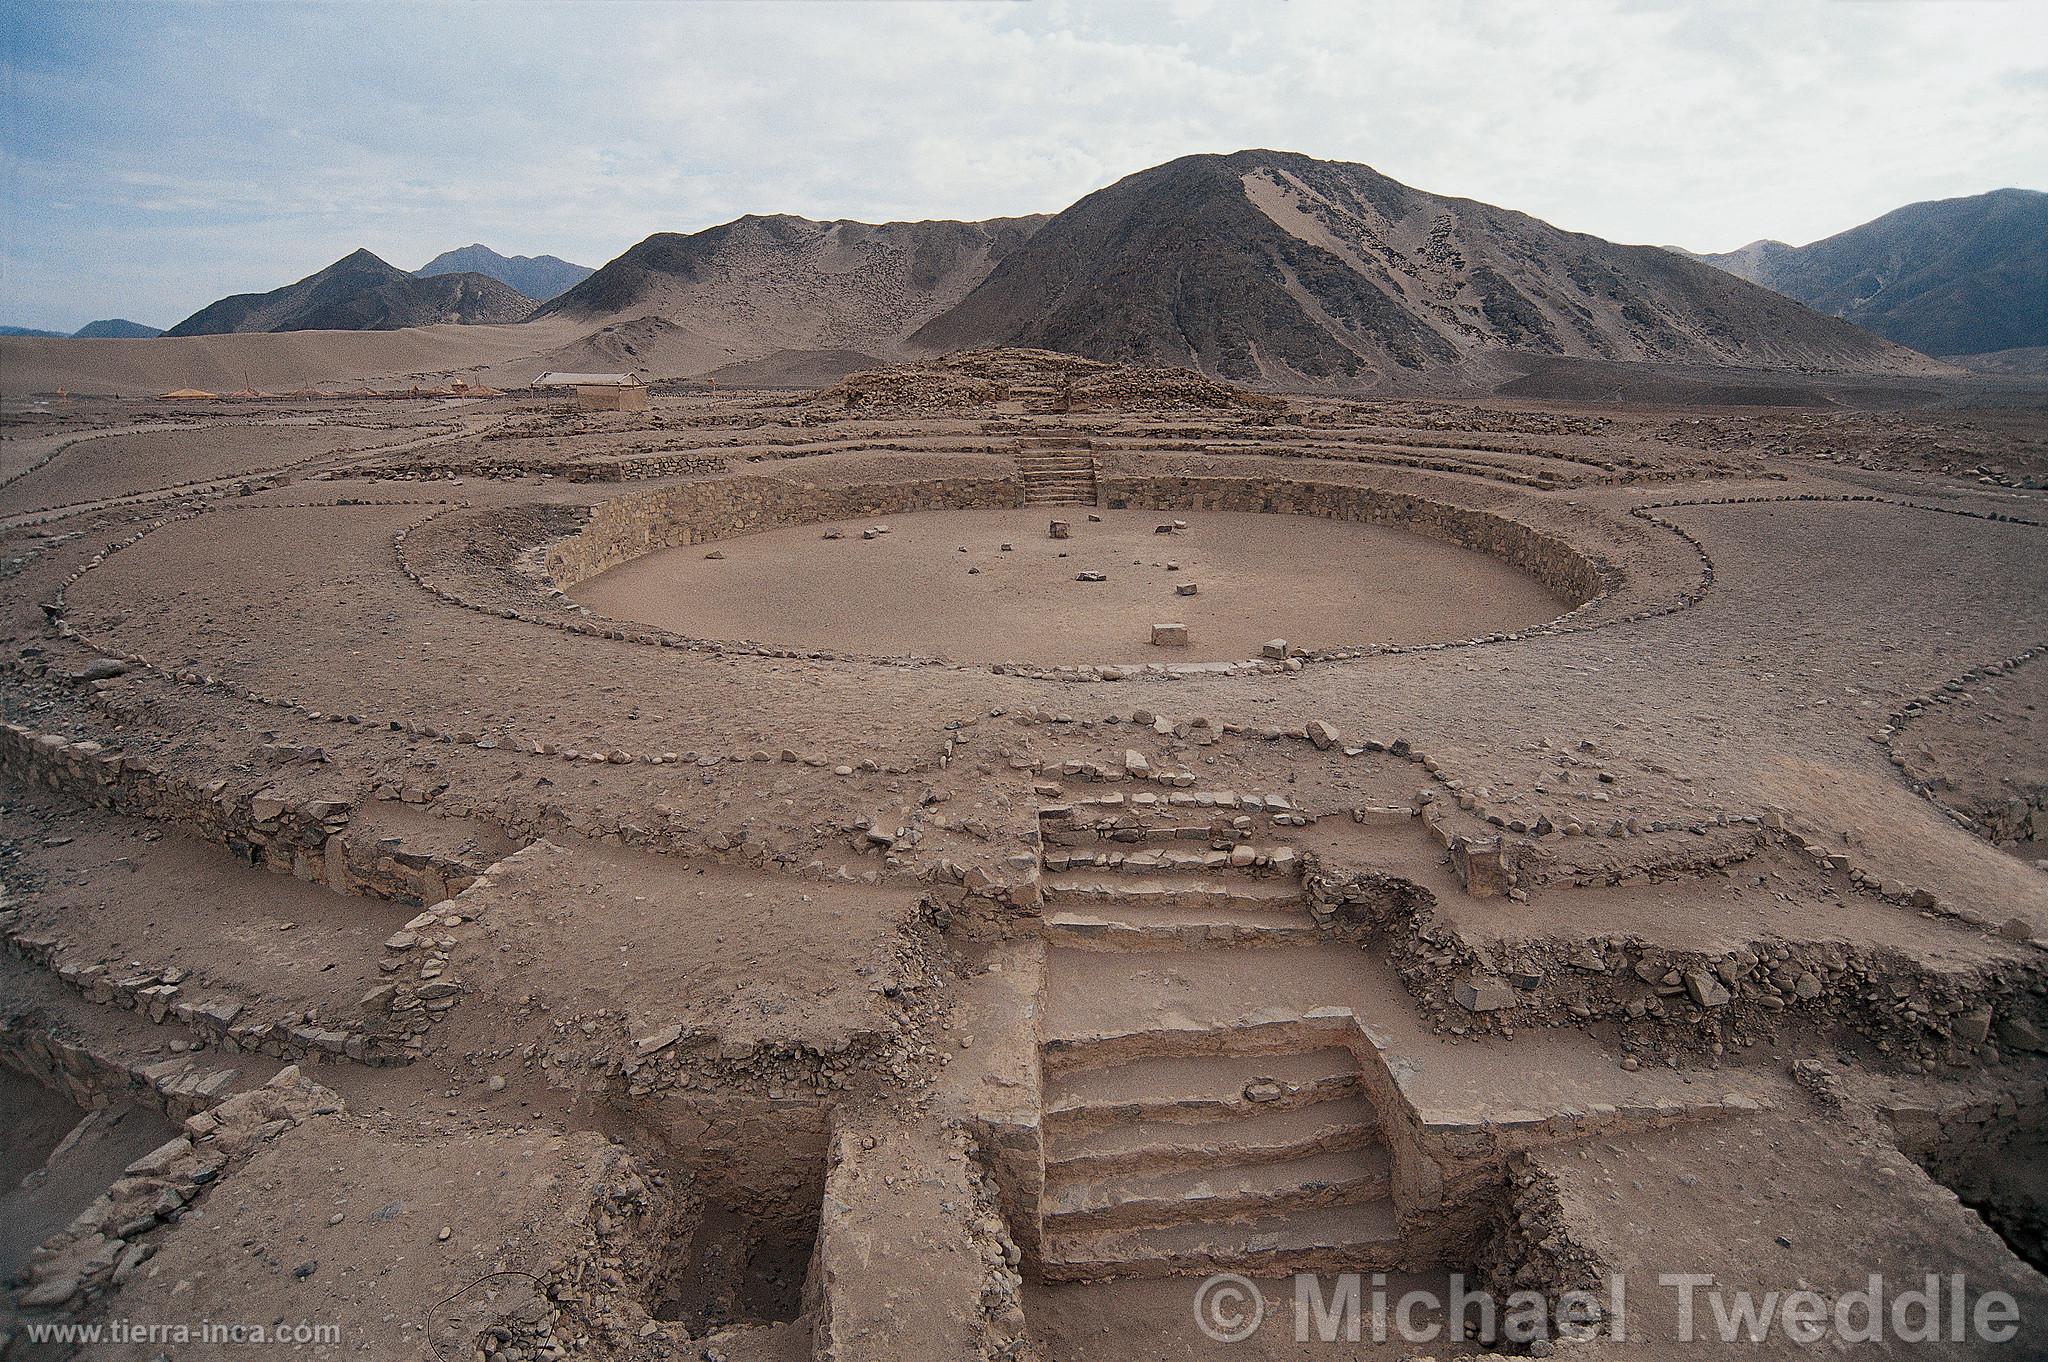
x=739 y=882
x=998 y=586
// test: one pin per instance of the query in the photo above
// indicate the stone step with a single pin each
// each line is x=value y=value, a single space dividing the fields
x=1093 y=888
x=1220 y=800
x=1103 y=1007
x=1125 y=927
x=1194 y=1088
x=1363 y=1238
x=1228 y=1192
x=1179 y=804
x=1115 y=833
x=1244 y=857
x=1263 y=1136
x=1261 y=1031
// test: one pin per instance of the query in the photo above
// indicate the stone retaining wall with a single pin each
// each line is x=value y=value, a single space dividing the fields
x=117 y=1233
x=625 y=527
x=306 y=839
x=92 y=1078
x=1660 y=998
x=1560 y=567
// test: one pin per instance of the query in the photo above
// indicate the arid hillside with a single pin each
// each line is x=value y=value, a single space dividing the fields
x=1272 y=266
x=760 y=284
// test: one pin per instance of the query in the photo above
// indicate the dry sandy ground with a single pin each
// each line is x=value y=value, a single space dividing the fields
x=1639 y=1199
x=1162 y=1321
x=939 y=584
x=120 y=464
x=278 y=363
x=1821 y=617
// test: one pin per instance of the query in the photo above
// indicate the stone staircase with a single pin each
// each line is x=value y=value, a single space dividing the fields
x=1194 y=1135
x=1055 y=472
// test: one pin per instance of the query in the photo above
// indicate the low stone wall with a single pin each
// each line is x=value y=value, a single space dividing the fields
x=116 y=1234
x=303 y=838
x=92 y=1078
x=1549 y=559
x=585 y=469
x=625 y=527
x=1660 y=998
x=308 y=839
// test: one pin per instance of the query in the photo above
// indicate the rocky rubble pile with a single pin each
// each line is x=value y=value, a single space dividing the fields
x=1533 y=1248
x=595 y=1300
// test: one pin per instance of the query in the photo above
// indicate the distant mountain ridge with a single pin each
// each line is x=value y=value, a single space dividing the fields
x=1267 y=265
x=1947 y=277
x=539 y=277
x=360 y=292
x=115 y=328
x=1261 y=266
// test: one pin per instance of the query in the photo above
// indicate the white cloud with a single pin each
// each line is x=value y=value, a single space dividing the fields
x=157 y=160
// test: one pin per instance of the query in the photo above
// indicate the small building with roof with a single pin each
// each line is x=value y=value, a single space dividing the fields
x=600 y=392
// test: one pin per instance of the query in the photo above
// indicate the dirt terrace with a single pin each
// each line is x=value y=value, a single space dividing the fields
x=699 y=926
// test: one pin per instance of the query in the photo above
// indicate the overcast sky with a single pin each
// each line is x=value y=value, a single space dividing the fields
x=159 y=157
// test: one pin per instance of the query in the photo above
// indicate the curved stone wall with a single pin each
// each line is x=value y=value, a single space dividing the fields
x=625 y=527
x=1550 y=560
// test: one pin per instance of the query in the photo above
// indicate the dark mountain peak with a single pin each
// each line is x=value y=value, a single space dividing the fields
x=1959 y=276
x=359 y=292
x=1272 y=265
x=538 y=277
x=115 y=328
x=360 y=263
